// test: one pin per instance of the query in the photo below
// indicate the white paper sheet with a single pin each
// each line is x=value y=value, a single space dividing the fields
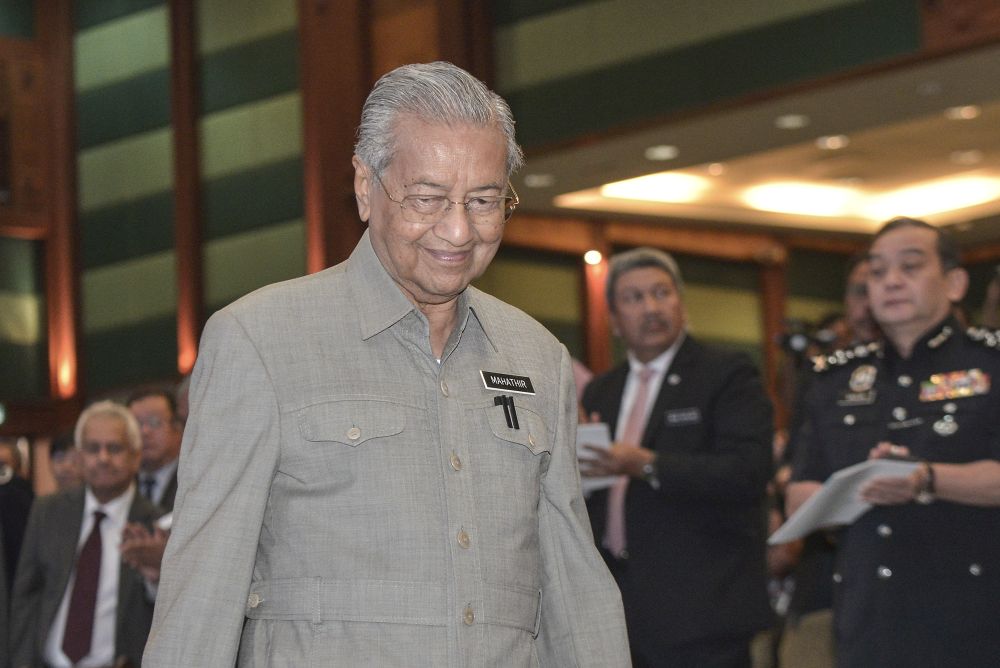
x=838 y=502
x=596 y=434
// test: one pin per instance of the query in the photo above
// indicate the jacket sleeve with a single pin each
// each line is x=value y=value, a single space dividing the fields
x=582 y=622
x=228 y=459
x=28 y=590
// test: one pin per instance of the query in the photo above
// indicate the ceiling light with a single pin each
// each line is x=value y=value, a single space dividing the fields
x=970 y=157
x=791 y=121
x=804 y=199
x=963 y=113
x=539 y=180
x=832 y=142
x=716 y=169
x=593 y=257
x=662 y=187
x=934 y=197
x=662 y=152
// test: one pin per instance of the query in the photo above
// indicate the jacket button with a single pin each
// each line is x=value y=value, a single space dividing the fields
x=253 y=600
x=468 y=616
x=444 y=388
x=884 y=530
x=531 y=440
x=354 y=433
x=884 y=572
x=848 y=419
x=463 y=540
x=456 y=463
x=975 y=569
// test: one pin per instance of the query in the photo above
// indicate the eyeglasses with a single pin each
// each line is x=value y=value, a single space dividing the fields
x=484 y=210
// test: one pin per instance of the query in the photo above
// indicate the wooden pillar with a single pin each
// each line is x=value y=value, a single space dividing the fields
x=333 y=61
x=62 y=268
x=774 y=293
x=184 y=110
x=597 y=324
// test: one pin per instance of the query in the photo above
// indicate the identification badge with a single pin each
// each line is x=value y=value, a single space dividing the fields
x=682 y=416
x=862 y=378
x=505 y=382
x=955 y=385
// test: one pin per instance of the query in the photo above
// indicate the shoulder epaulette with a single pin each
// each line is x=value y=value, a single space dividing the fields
x=843 y=356
x=987 y=337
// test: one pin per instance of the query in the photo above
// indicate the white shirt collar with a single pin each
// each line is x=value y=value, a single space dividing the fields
x=661 y=362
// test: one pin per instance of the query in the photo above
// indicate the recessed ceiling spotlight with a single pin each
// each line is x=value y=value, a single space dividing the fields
x=716 y=169
x=791 y=121
x=832 y=142
x=970 y=157
x=662 y=152
x=539 y=180
x=964 y=113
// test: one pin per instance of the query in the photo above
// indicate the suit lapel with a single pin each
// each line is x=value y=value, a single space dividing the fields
x=611 y=400
x=670 y=392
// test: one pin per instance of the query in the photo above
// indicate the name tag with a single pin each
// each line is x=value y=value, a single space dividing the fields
x=683 y=416
x=505 y=382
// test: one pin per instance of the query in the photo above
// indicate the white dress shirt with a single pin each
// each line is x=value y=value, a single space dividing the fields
x=102 y=648
x=659 y=365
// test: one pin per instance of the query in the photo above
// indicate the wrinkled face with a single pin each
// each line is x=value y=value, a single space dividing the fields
x=435 y=261
x=857 y=313
x=908 y=289
x=161 y=433
x=109 y=462
x=648 y=313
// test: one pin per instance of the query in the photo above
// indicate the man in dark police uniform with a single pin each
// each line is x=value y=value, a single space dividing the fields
x=918 y=576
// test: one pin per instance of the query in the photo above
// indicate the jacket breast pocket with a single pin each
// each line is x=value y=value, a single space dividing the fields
x=351 y=422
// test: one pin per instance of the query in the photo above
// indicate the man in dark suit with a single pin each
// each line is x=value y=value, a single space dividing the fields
x=682 y=527
x=156 y=411
x=74 y=601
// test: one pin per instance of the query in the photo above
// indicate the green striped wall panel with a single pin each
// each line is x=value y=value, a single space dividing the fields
x=132 y=354
x=253 y=198
x=248 y=72
x=89 y=13
x=726 y=67
x=17 y=18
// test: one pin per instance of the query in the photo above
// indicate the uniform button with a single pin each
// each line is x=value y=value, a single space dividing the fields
x=904 y=381
x=848 y=419
x=975 y=569
x=354 y=433
x=837 y=577
x=456 y=463
x=531 y=440
x=463 y=540
x=253 y=600
x=899 y=413
x=444 y=388
x=468 y=616
x=884 y=572
x=884 y=530
x=950 y=407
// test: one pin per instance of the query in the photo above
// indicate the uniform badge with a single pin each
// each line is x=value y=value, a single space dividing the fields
x=862 y=378
x=946 y=426
x=955 y=385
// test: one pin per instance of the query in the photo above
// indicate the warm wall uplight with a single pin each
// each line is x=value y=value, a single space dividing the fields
x=663 y=187
x=804 y=199
x=661 y=152
x=832 y=142
x=791 y=121
x=933 y=197
x=964 y=113
x=66 y=379
x=593 y=257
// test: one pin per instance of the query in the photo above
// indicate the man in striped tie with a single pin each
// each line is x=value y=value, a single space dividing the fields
x=682 y=527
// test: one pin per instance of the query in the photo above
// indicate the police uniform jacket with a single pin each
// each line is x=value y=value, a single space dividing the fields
x=346 y=499
x=915 y=584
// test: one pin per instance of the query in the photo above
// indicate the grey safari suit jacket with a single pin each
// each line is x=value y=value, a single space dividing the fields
x=362 y=505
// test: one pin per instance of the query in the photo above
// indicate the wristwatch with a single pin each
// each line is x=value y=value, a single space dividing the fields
x=649 y=474
x=925 y=494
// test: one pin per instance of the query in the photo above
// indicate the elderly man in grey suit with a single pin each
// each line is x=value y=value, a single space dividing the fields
x=75 y=603
x=379 y=465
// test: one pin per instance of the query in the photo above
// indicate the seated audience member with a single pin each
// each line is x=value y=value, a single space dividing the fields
x=156 y=412
x=64 y=461
x=74 y=603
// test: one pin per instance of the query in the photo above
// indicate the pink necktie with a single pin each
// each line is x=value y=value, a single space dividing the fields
x=614 y=532
x=83 y=600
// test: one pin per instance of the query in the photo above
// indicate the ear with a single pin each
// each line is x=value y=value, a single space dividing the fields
x=362 y=187
x=956 y=284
